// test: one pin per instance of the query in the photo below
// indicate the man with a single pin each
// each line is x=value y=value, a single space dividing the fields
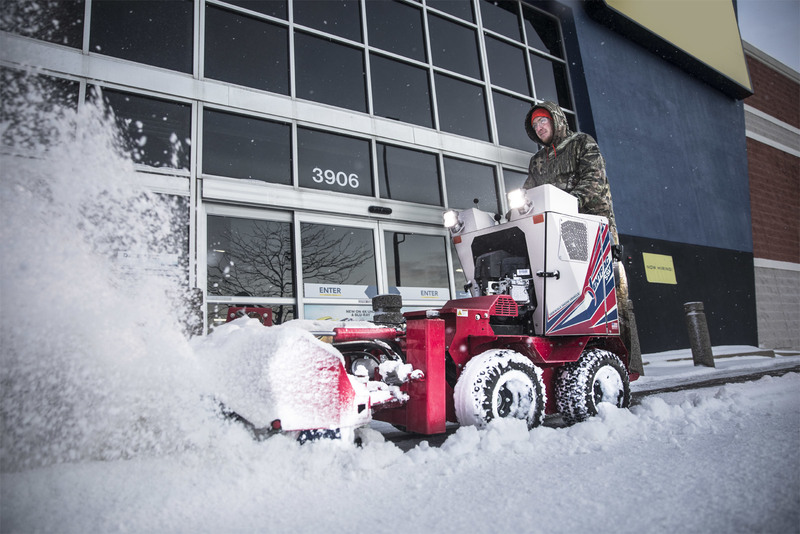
x=572 y=162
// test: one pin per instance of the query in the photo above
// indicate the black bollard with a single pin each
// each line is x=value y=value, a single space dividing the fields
x=698 y=334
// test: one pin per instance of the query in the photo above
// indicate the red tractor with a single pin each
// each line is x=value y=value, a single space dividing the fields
x=538 y=335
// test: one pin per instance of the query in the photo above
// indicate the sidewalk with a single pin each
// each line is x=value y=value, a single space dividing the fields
x=676 y=367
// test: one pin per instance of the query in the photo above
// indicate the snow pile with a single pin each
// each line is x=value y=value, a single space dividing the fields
x=279 y=372
x=713 y=460
x=93 y=362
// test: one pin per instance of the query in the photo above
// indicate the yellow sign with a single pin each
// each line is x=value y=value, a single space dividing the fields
x=659 y=269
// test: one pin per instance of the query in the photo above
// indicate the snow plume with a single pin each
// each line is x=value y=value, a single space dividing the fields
x=93 y=361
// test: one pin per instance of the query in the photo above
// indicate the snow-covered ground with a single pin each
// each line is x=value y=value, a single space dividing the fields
x=722 y=459
x=107 y=421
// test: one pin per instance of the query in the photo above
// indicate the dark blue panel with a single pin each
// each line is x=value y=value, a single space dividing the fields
x=675 y=147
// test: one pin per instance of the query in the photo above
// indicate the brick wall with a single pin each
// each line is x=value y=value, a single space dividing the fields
x=774 y=93
x=774 y=202
x=774 y=175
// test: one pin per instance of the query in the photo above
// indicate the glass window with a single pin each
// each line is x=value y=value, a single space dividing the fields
x=507 y=65
x=550 y=81
x=246 y=51
x=396 y=27
x=28 y=104
x=468 y=182
x=274 y=8
x=249 y=257
x=416 y=260
x=454 y=47
x=401 y=91
x=334 y=162
x=330 y=73
x=462 y=108
x=509 y=113
x=55 y=21
x=542 y=31
x=246 y=147
x=459 y=8
x=501 y=17
x=408 y=175
x=514 y=179
x=337 y=256
x=157 y=132
x=339 y=17
x=151 y=32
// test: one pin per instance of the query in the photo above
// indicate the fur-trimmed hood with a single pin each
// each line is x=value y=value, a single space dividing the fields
x=560 y=127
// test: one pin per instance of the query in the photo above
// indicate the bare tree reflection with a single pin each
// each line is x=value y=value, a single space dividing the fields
x=256 y=259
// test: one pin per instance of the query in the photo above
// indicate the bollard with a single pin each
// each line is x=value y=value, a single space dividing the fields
x=698 y=334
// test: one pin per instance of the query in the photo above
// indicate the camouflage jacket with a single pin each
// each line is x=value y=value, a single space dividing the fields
x=572 y=163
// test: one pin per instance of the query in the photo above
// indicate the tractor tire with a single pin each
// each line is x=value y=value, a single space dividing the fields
x=500 y=383
x=598 y=376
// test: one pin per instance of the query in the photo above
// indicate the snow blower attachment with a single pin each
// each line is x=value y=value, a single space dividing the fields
x=538 y=335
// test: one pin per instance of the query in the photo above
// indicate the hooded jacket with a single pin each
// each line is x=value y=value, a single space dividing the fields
x=573 y=163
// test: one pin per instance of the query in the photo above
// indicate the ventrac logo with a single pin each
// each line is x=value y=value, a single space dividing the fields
x=604 y=274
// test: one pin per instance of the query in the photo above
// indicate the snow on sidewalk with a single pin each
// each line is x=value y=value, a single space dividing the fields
x=676 y=367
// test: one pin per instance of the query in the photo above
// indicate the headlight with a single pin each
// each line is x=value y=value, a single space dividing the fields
x=452 y=221
x=518 y=200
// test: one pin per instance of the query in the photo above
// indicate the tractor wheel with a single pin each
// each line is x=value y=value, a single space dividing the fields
x=500 y=383
x=598 y=376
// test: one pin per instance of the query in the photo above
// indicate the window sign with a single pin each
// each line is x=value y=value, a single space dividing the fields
x=334 y=162
x=324 y=312
x=338 y=291
x=659 y=268
x=423 y=293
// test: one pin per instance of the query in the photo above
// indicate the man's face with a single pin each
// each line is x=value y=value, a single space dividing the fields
x=544 y=129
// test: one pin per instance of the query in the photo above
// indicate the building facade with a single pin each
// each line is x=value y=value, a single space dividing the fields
x=772 y=118
x=316 y=143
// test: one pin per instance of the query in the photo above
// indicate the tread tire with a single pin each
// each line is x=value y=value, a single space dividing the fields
x=500 y=383
x=598 y=376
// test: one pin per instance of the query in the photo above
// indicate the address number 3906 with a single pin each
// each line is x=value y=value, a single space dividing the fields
x=330 y=177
